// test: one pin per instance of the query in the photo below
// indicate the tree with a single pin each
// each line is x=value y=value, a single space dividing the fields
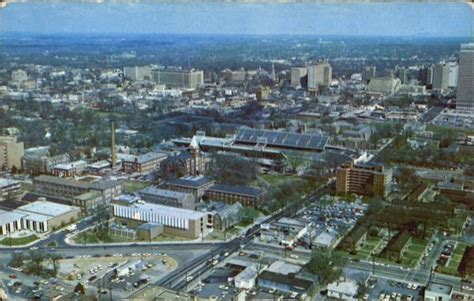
x=232 y=170
x=80 y=289
x=248 y=214
x=17 y=260
x=295 y=160
x=54 y=258
x=37 y=259
x=327 y=265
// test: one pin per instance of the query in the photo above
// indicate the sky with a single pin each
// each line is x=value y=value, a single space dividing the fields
x=369 y=19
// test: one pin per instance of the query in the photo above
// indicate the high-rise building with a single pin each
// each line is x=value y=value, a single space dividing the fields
x=137 y=73
x=371 y=180
x=189 y=79
x=401 y=73
x=368 y=73
x=319 y=74
x=297 y=74
x=11 y=152
x=440 y=76
x=453 y=74
x=465 y=90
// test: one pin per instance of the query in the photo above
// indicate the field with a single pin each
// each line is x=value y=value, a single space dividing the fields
x=369 y=246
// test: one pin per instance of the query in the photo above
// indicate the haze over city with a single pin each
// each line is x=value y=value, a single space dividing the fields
x=207 y=151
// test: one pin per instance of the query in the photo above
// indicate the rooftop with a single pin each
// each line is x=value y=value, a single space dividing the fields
x=190 y=181
x=242 y=190
x=145 y=157
x=283 y=267
x=166 y=210
x=7 y=217
x=44 y=210
x=439 y=288
x=151 y=190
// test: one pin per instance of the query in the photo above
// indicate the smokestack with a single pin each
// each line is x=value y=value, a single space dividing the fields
x=113 y=145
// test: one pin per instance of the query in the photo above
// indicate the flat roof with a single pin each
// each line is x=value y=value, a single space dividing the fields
x=151 y=190
x=167 y=210
x=283 y=267
x=88 y=195
x=7 y=217
x=241 y=190
x=190 y=181
x=439 y=288
x=44 y=210
x=145 y=157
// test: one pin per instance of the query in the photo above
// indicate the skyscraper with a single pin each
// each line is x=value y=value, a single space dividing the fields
x=319 y=74
x=465 y=91
x=189 y=79
x=368 y=73
x=440 y=76
x=297 y=74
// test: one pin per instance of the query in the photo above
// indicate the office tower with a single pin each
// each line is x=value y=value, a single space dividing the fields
x=465 y=90
x=11 y=152
x=19 y=76
x=453 y=74
x=178 y=78
x=319 y=74
x=368 y=73
x=297 y=74
x=429 y=75
x=371 y=180
x=440 y=76
x=401 y=73
x=137 y=73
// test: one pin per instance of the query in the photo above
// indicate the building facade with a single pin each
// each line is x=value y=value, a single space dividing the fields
x=363 y=179
x=247 y=196
x=142 y=163
x=440 y=77
x=189 y=79
x=465 y=89
x=168 y=197
x=11 y=152
x=319 y=74
x=297 y=75
x=176 y=221
x=9 y=189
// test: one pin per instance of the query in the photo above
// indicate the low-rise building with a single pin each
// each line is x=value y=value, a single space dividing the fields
x=10 y=221
x=176 y=221
x=197 y=185
x=69 y=170
x=287 y=283
x=142 y=163
x=438 y=292
x=43 y=216
x=343 y=290
x=223 y=216
x=89 y=201
x=171 y=198
x=247 y=196
x=9 y=189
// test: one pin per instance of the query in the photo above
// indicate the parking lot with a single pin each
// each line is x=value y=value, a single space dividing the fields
x=390 y=290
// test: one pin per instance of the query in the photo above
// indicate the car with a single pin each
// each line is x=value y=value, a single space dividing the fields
x=34 y=248
x=365 y=297
x=12 y=276
x=164 y=261
x=189 y=278
x=409 y=285
x=272 y=290
x=294 y=256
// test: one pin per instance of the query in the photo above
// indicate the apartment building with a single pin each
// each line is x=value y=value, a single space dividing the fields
x=370 y=180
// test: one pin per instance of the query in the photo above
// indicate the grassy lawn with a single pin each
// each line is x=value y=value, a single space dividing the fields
x=414 y=253
x=367 y=247
x=275 y=178
x=18 y=241
x=91 y=238
x=220 y=235
x=132 y=186
x=457 y=256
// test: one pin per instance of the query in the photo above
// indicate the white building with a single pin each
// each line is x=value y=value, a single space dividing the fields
x=319 y=74
x=438 y=292
x=343 y=290
x=176 y=221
